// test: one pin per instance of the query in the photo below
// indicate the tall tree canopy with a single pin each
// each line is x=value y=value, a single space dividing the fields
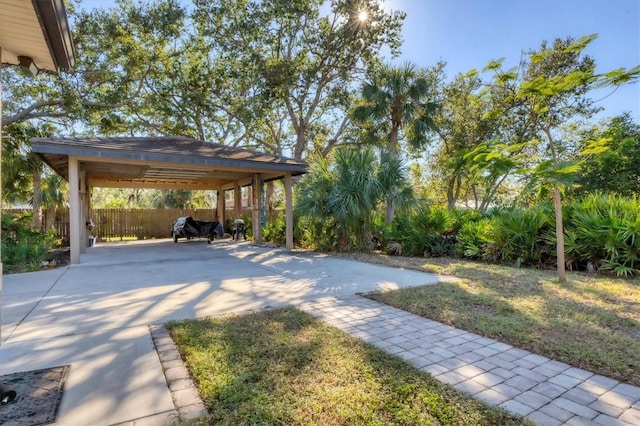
x=296 y=64
x=611 y=158
x=277 y=75
x=118 y=51
x=465 y=163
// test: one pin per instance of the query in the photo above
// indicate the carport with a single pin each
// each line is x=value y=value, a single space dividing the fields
x=171 y=162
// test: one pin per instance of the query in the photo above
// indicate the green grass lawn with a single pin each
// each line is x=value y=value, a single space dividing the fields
x=591 y=322
x=285 y=367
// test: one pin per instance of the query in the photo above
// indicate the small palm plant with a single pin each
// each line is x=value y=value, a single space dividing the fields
x=603 y=232
x=339 y=196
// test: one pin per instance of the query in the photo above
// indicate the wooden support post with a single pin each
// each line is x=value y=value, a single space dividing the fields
x=220 y=206
x=237 y=200
x=84 y=209
x=74 y=210
x=257 y=210
x=288 y=196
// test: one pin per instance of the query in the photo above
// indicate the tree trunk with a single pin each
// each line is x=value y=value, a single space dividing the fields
x=268 y=195
x=453 y=191
x=301 y=143
x=476 y=202
x=393 y=152
x=393 y=141
x=390 y=211
x=557 y=204
x=451 y=201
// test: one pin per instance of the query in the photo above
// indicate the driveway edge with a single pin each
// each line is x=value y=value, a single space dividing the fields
x=184 y=392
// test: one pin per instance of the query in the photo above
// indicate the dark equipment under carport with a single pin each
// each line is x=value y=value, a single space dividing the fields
x=188 y=227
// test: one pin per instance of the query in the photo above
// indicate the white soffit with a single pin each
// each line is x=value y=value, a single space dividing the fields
x=22 y=35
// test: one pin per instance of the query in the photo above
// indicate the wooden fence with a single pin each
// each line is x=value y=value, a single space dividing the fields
x=135 y=223
x=142 y=223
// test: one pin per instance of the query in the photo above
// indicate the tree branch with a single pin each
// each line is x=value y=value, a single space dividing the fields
x=28 y=114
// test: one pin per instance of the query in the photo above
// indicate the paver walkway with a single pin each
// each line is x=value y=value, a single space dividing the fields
x=545 y=391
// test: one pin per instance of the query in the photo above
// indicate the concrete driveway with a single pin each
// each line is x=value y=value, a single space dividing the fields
x=95 y=315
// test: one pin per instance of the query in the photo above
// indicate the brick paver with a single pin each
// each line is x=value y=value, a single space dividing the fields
x=547 y=392
x=187 y=401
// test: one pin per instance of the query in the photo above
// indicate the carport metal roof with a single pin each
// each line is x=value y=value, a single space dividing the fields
x=171 y=162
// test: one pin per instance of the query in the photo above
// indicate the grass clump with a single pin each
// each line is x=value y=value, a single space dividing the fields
x=590 y=322
x=285 y=367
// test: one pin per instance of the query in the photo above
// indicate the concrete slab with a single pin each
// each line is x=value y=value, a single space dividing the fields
x=95 y=315
x=25 y=291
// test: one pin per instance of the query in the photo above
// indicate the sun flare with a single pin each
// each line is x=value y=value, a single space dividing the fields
x=363 y=15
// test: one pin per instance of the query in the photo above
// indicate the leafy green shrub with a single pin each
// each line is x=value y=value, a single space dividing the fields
x=276 y=232
x=338 y=198
x=603 y=232
x=437 y=226
x=428 y=231
x=518 y=236
x=514 y=236
x=23 y=249
x=316 y=234
x=474 y=237
x=401 y=237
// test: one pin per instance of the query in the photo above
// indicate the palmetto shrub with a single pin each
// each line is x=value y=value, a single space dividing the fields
x=440 y=227
x=603 y=232
x=402 y=237
x=514 y=236
x=337 y=200
x=429 y=231
x=339 y=206
x=275 y=231
x=518 y=236
x=474 y=238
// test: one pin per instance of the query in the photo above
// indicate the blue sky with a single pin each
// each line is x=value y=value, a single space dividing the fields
x=468 y=33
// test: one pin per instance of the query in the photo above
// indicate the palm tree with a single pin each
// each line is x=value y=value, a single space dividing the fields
x=54 y=197
x=341 y=193
x=397 y=103
x=394 y=182
x=22 y=169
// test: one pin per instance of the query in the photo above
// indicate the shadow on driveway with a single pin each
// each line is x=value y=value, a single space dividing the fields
x=95 y=315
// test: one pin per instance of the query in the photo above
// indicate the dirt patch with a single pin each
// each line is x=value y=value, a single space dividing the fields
x=39 y=393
